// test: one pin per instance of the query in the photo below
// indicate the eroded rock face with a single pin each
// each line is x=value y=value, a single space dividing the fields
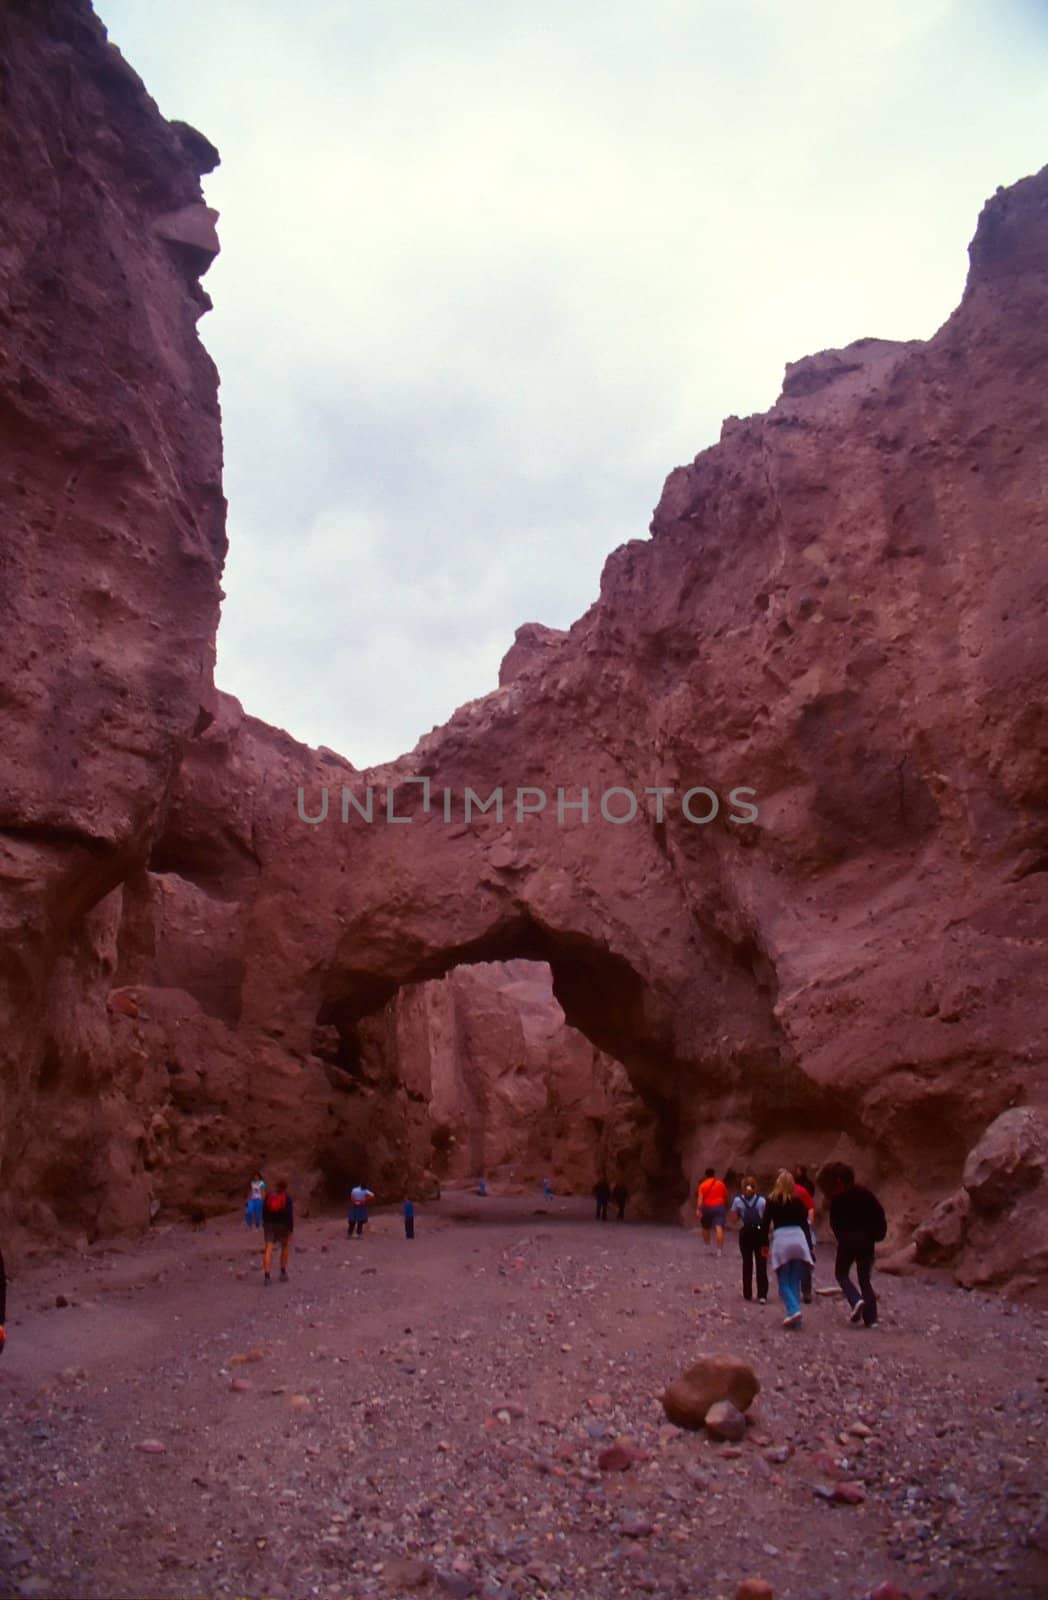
x=113 y=546
x=993 y=1231
x=842 y=609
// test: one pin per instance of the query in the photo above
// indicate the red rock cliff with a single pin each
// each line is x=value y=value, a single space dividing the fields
x=843 y=608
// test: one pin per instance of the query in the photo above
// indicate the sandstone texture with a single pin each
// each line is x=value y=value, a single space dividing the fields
x=842 y=611
x=113 y=546
x=993 y=1230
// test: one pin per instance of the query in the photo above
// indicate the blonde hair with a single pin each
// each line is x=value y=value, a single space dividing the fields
x=785 y=1188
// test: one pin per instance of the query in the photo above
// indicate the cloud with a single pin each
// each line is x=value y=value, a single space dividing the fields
x=488 y=274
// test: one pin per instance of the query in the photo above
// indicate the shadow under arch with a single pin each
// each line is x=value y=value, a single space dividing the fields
x=601 y=996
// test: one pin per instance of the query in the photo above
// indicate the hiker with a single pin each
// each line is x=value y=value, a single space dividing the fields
x=712 y=1208
x=787 y=1218
x=482 y=1186
x=805 y=1190
x=3 y=1305
x=359 y=1196
x=749 y=1207
x=253 y=1209
x=278 y=1223
x=409 y=1219
x=859 y=1224
x=547 y=1189
x=602 y=1194
x=620 y=1194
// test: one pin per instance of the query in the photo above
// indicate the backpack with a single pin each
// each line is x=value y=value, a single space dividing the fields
x=750 y=1215
x=275 y=1203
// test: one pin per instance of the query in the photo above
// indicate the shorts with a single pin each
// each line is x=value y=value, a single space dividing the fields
x=275 y=1232
x=713 y=1216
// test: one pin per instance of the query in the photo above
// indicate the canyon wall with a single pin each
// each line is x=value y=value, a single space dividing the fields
x=843 y=608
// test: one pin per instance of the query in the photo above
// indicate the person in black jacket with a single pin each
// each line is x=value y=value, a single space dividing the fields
x=602 y=1194
x=858 y=1223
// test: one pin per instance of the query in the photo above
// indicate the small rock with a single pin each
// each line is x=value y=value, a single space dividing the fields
x=754 y=1589
x=240 y=1385
x=152 y=1447
x=459 y=1584
x=616 y=1458
x=634 y=1526
x=61 y=1301
x=725 y=1421
x=849 y=1494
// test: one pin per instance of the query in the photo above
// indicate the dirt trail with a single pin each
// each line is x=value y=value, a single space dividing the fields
x=426 y=1418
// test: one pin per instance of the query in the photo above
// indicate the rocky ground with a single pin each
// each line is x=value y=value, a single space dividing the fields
x=429 y=1418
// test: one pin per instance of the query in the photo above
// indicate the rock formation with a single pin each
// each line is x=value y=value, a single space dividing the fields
x=514 y=1094
x=841 y=611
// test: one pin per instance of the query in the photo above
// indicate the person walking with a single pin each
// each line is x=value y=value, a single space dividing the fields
x=602 y=1194
x=620 y=1194
x=256 y=1195
x=547 y=1189
x=786 y=1217
x=359 y=1196
x=712 y=1208
x=278 y=1224
x=409 y=1219
x=749 y=1207
x=859 y=1224
x=805 y=1190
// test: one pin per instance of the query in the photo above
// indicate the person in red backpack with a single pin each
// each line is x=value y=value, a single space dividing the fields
x=278 y=1223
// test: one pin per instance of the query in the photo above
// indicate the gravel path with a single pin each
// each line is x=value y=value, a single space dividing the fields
x=427 y=1419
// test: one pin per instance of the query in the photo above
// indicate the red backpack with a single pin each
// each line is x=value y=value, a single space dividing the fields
x=275 y=1203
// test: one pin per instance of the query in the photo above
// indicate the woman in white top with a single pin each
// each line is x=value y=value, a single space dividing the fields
x=787 y=1217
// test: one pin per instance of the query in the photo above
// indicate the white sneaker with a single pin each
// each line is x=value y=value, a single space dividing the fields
x=855 y=1315
x=793 y=1321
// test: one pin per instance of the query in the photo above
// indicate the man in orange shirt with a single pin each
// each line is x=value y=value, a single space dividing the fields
x=712 y=1210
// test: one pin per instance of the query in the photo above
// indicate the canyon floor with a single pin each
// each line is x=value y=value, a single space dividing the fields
x=425 y=1418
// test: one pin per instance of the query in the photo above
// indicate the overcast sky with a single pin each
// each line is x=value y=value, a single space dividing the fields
x=489 y=272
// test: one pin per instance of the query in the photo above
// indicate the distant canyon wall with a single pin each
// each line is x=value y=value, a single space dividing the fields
x=843 y=606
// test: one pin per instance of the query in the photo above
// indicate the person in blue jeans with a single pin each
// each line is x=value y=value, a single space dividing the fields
x=786 y=1217
x=253 y=1209
x=359 y=1198
x=409 y=1219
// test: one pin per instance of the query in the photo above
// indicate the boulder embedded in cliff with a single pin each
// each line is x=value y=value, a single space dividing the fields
x=1010 y=1158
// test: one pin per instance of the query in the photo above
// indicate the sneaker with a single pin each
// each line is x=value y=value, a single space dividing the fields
x=283 y=1275
x=807 y=1299
x=855 y=1315
x=762 y=1301
x=793 y=1321
x=873 y=1324
x=265 y=1279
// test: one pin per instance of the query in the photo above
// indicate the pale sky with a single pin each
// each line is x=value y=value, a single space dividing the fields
x=489 y=272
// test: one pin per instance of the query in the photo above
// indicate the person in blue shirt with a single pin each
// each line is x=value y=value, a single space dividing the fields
x=749 y=1207
x=409 y=1219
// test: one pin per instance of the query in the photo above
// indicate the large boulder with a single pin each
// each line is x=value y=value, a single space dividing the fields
x=993 y=1230
x=1010 y=1159
x=706 y=1382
